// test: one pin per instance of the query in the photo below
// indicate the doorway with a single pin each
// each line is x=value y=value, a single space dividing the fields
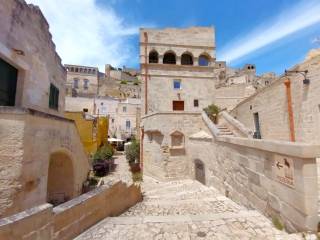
x=257 y=133
x=200 y=171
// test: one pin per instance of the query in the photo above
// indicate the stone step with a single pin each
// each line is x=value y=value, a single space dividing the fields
x=129 y=220
x=182 y=207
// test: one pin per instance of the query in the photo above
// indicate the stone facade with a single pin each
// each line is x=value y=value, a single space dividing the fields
x=123 y=115
x=41 y=156
x=81 y=80
x=31 y=144
x=196 y=82
x=271 y=105
x=34 y=58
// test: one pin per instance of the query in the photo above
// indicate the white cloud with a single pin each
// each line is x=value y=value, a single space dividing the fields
x=304 y=14
x=87 y=34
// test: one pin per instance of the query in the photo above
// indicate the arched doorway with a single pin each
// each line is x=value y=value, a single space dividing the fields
x=60 y=186
x=199 y=169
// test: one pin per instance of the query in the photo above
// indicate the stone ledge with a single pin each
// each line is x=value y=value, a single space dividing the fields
x=171 y=113
x=22 y=111
x=23 y=215
x=302 y=150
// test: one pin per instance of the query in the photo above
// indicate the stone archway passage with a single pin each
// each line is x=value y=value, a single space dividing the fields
x=200 y=171
x=60 y=186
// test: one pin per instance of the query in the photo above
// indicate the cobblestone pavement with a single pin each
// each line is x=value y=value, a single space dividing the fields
x=185 y=210
x=121 y=171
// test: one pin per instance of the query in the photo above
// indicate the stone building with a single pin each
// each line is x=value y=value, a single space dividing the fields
x=273 y=175
x=81 y=80
x=120 y=83
x=178 y=75
x=269 y=105
x=41 y=156
x=123 y=115
x=235 y=85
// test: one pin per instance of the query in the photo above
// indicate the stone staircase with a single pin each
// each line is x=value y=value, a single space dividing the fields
x=185 y=209
x=224 y=131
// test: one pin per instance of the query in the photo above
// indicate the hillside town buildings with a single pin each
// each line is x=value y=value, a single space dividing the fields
x=253 y=168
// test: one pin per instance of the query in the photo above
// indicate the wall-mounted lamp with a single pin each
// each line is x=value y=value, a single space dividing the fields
x=303 y=73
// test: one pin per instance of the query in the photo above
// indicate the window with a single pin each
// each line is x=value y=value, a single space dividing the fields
x=124 y=109
x=257 y=133
x=112 y=120
x=54 y=97
x=8 y=84
x=128 y=124
x=186 y=59
x=86 y=84
x=153 y=57
x=196 y=103
x=75 y=83
x=169 y=58
x=177 y=84
x=178 y=105
x=203 y=60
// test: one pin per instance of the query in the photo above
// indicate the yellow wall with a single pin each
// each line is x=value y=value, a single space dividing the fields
x=92 y=134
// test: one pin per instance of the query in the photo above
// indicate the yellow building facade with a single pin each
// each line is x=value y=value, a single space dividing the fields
x=93 y=131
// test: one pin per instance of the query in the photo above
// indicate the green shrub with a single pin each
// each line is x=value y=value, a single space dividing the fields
x=277 y=223
x=136 y=82
x=104 y=153
x=212 y=111
x=123 y=82
x=133 y=151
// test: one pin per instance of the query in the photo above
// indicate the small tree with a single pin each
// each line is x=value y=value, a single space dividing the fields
x=104 y=153
x=123 y=82
x=133 y=151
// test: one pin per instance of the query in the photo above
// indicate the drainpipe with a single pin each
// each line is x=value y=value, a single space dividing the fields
x=287 y=83
x=146 y=73
x=141 y=148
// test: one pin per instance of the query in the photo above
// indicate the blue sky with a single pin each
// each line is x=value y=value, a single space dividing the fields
x=273 y=34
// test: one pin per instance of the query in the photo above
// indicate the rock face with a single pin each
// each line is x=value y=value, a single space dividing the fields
x=185 y=210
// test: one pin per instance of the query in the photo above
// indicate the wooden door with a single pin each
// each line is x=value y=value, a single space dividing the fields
x=178 y=105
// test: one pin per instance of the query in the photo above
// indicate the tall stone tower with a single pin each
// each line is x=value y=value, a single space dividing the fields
x=178 y=81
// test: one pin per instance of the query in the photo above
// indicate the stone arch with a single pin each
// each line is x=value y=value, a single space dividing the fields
x=61 y=178
x=153 y=56
x=204 y=59
x=169 y=57
x=186 y=58
x=199 y=170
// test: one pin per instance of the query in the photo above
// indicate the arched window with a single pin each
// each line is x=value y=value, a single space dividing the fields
x=153 y=57
x=203 y=60
x=169 y=58
x=186 y=59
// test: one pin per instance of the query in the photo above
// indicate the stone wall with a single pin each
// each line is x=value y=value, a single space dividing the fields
x=246 y=171
x=28 y=141
x=68 y=220
x=271 y=104
x=160 y=157
x=228 y=97
x=26 y=44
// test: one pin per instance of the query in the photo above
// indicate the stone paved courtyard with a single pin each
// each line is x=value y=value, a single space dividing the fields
x=185 y=210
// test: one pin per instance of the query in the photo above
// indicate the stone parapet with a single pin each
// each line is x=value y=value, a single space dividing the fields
x=68 y=220
x=278 y=178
